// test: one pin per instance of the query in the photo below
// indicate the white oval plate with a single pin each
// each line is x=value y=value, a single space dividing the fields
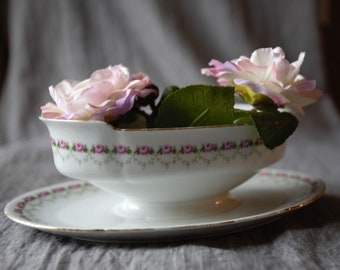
x=79 y=210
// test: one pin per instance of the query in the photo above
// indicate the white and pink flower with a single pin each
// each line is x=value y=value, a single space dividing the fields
x=267 y=72
x=107 y=94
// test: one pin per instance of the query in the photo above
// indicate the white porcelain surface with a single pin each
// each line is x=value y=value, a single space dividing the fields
x=157 y=172
x=79 y=210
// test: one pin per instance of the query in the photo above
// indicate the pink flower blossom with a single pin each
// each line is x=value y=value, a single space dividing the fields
x=208 y=147
x=246 y=143
x=295 y=177
x=99 y=149
x=282 y=174
x=259 y=141
x=21 y=204
x=166 y=149
x=29 y=198
x=74 y=186
x=144 y=150
x=52 y=141
x=79 y=147
x=121 y=149
x=229 y=145
x=63 y=144
x=266 y=173
x=267 y=72
x=188 y=149
x=18 y=211
x=43 y=194
x=107 y=94
x=58 y=190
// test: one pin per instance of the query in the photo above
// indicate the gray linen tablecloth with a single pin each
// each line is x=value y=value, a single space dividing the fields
x=171 y=41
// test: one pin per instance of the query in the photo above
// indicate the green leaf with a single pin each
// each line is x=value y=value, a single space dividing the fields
x=197 y=105
x=203 y=105
x=169 y=90
x=166 y=92
x=242 y=117
x=274 y=127
x=258 y=101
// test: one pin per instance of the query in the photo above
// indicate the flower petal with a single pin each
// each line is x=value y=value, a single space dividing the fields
x=286 y=72
x=250 y=71
x=117 y=107
x=305 y=85
x=262 y=57
x=97 y=93
x=50 y=110
x=118 y=75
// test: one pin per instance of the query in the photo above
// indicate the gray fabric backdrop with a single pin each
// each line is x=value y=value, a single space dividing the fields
x=170 y=41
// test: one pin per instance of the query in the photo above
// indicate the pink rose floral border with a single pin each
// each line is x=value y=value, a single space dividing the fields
x=145 y=155
x=31 y=203
x=27 y=205
x=150 y=150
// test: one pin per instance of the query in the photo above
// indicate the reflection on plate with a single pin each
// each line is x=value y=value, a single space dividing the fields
x=79 y=210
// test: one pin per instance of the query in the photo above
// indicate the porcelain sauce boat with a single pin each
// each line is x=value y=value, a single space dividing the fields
x=161 y=173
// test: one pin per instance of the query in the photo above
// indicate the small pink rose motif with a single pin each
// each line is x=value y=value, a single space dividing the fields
x=121 y=149
x=167 y=149
x=18 y=211
x=62 y=144
x=229 y=145
x=79 y=147
x=43 y=194
x=295 y=177
x=74 y=186
x=259 y=141
x=21 y=204
x=307 y=180
x=29 y=198
x=188 y=149
x=99 y=149
x=281 y=174
x=58 y=190
x=144 y=150
x=246 y=143
x=208 y=147
x=265 y=173
x=52 y=141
